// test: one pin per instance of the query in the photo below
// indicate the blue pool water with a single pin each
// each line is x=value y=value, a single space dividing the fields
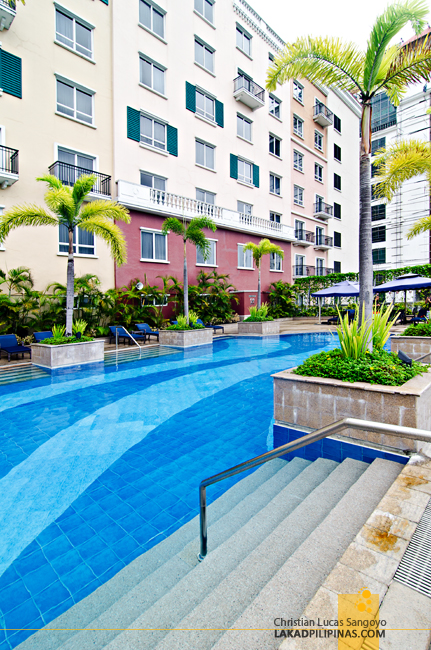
x=99 y=465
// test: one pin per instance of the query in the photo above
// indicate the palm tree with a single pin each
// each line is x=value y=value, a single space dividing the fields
x=264 y=247
x=400 y=162
x=382 y=67
x=67 y=209
x=193 y=233
x=17 y=279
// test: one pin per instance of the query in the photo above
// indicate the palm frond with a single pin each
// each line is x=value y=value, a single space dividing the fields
x=201 y=222
x=174 y=225
x=82 y=187
x=326 y=61
x=106 y=209
x=60 y=201
x=400 y=162
x=25 y=215
x=197 y=237
x=53 y=181
x=111 y=234
x=387 y=26
x=411 y=65
x=422 y=225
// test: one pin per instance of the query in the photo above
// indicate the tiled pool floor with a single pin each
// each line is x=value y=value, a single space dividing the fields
x=99 y=465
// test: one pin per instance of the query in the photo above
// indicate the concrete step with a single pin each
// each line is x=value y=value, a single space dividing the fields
x=169 y=610
x=293 y=586
x=161 y=559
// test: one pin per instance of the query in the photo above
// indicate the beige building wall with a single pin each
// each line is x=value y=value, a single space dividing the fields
x=34 y=127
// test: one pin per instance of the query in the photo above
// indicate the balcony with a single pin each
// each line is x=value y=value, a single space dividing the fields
x=68 y=174
x=248 y=92
x=303 y=271
x=323 y=243
x=8 y=167
x=164 y=204
x=323 y=210
x=322 y=115
x=304 y=238
x=7 y=14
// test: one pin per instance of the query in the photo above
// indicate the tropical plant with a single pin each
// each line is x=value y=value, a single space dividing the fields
x=193 y=317
x=264 y=247
x=17 y=279
x=68 y=210
x=79 y=326
x=354 y=335
x=382 y=67
x=193 y=233
x=58 y=331
x=282 y=297
x=382 y=325
x=399 y=162
x=258 y=314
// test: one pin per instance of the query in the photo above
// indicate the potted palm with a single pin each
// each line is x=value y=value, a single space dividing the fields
x=259 y=322
x=186 y=333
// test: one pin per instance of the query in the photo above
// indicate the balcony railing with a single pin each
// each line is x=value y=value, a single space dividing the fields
x=9 y=160
x=68 y=174
x=323 y=270
x=248 y=92
x=324 y=241
x=323 y=210
x=322 y=115
x=7 y=14
x=305 y=236
x=303 y=271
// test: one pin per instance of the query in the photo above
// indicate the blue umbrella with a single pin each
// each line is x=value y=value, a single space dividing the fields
x=346 y=288
x=404 y=283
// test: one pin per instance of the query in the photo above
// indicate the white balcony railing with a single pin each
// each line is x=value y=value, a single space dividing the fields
x=168 y=204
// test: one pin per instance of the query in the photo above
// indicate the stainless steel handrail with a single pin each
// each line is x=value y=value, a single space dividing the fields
x=133 y=339
x=335 y=427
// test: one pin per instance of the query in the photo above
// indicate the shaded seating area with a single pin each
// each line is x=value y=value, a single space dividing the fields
x=334 y=320
x=41 y=336
x=144 y=328
x=123 y=335
x=10 y=346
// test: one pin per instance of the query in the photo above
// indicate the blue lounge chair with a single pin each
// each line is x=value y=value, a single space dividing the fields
x=144 y=327
x=122 y=334
x=41 y=336
x=9 y=345
x=421 y=317
x=209 y=326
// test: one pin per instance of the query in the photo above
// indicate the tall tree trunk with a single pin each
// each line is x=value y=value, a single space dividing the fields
x=186 y=285
x=365 y=242
x=70 y=286
x=258 y=291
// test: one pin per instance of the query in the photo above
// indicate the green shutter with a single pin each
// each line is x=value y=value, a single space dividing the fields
x=219 y=113
x=10 y=74
x=255 y=175
x=105 y=1
x=190 y=97
x=172 y=140
x=133 y=124
x=233 y=166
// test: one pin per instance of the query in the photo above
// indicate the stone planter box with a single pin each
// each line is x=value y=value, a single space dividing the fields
x=315 y=402
x=69 y=354
x=413 y=346
x=260 y=329
x=185 y=338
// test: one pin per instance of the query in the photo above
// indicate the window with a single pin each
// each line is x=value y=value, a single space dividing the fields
x=206 y=197
x=299 y=269
x=274 y=184
x=154 y=182
x=245 y=171
x=380 y=143
x=319 y=266
x=337 y=182
x=205 y=154
x=337 y=123
x=274 y=106
x=337 y=239
x=271 y=56
x=378 y=212
x=299 y=229
x=153 y=246
x=275 y=262
x=337 y=210
x=72 y=165
x=318 y=172
x=274 y=145
x=375 y=191
x=74 y=102
x=83 y=241
x=244 y=208
x=337 y=152
x=243 y=40
x=205 y=105
x=320 y=236
x=273 y=216
x=379 y=255
x=205 y=8
x=298 y=126
x=152 y=17
x=211 y=259
x=337 y=267
x=384 y=113
x=243 y=127
x=204 y=55
x=245 y=258
x=298 y=195
x=298 y=161
x=298 y=91
x=378 y=234
x=152 y=75
x=318 y=140
x=74 y=33
x=153 y=133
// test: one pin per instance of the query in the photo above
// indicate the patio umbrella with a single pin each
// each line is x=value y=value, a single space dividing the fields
x=404 y=283
x=346 y=288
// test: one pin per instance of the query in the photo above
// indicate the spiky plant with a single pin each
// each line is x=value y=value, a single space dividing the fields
x=264 y=247
x=400 y=162
x=67 y=208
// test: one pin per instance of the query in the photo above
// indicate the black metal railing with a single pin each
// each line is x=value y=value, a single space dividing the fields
x=324 y=240
x=321 y=206
x=383 y=125
x=303 y=270
x=68 y=174
x=9 y=5
x=9 y=160
x=305 y=235
x=244 y=83
x=321 y=109
x=323 y=270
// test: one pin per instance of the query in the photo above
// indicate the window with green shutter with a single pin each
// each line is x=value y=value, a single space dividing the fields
x=10 y=74
x=133 y=124
x=106 y=2
x=256 y=175
x=233 y=166
x=172 y=140
x=219 y=113
x=190 y=97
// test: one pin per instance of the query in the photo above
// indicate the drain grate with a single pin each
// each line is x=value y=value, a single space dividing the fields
x=127 y=356
x=415 y=567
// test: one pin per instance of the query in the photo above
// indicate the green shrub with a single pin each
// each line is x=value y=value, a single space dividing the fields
x=183 y=325
x=382 y=325
x=79 y=326
x=258 y=315
x=421 y=329
x=353 y=336
x=57 y=332
x=63 y=340
x=378 y=367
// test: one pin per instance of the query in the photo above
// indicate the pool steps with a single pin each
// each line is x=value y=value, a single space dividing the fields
x=274 y=538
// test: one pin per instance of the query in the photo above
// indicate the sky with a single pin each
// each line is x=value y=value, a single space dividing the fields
x=352 y=21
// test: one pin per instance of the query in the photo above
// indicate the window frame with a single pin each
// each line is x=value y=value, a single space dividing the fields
x=338 y=268
x=77 y=87
x=213 y=250
x=336 y=177
x=244 y=180
x=378 y=209
x=277 y=216
x=275 y=140
x=379 y=231
x=276 y=106
x=277 y=260
x=376 y=253
x=318 y=133
x=298 y=168
x=337 y=147
x=245 y=36
x=76 y=20
x=318 y=172
x=247 y=121
x=296 y=200
x=299 y=133
x=202 y=15
x=249 y=253
x=154 y=232
x=298 y=91
x=337 y=235
x=76 y=244
x=199 y=189
x=153 y=176
x=154 y=64
x=206 y=48
x=206 y=95
x=337 y=120
x=154 y=8
x=206 y=145
x=275 y=177
x=339 y=205
x=158 y=121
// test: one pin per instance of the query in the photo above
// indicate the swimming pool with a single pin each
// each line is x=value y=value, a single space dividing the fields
x=99 y=464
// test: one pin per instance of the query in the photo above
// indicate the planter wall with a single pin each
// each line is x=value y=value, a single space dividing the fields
x=185 y=338
x=70 y=354
x=315 y=402
x=413 y=346
x=261 y=329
